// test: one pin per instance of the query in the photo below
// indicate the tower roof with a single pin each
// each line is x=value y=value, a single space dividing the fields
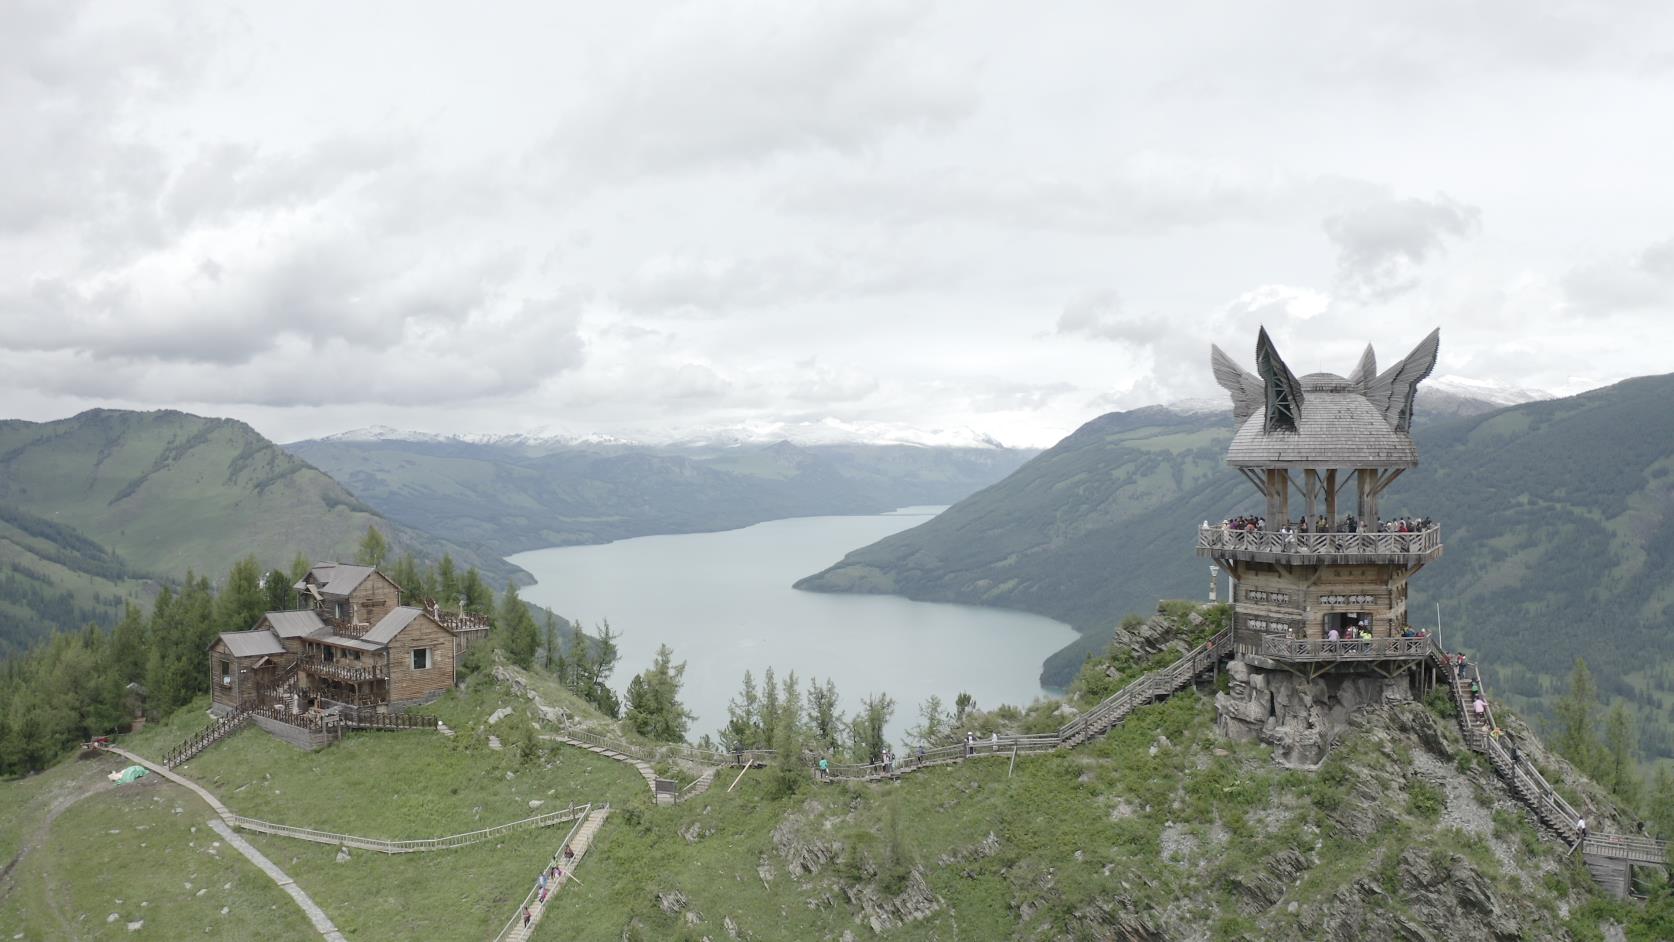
x=1323 y=420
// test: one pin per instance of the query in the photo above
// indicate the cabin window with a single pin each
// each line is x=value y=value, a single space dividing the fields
x=421 y=658
x=339 y=609
x=226 y=672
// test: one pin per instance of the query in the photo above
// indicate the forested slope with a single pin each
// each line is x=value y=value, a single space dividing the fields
x=515 y=499
x=94 y=507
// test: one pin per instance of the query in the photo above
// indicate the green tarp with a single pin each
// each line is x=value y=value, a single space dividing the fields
x=128 y=774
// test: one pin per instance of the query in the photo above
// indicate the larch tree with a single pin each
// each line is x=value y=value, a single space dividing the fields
x=653 y=705
x=373 y=548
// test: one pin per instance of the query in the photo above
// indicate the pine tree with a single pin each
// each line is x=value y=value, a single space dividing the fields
x=373 y=548
x=768 y=719
x=789 y=769
x=516 y=628
x=242 y=601
x=1621 y=772
x=549 y=655
x=824 y=716
x=868 y=728
x=1576 y=714
x=653 y=705
x=933 y=723
x=479 y=598
x=277 y=594
x=1659 y=803
x=743 y=716
x=405 y=573
x=447 y=582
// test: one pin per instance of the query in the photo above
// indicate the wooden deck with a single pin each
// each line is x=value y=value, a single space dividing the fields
x=1268 y=546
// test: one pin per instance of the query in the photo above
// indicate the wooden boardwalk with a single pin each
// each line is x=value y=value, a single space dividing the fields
x=1610 y=858
x=580 y=840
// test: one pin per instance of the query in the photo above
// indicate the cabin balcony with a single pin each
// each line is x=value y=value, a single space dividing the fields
x=1267 y=546
x=347 y=671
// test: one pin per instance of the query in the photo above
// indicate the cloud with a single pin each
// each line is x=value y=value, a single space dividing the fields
x=708 y=285
x=817 y=382
x=713 y=86
x=1142 y=195
x=1100 y=315
x=1381 y=246
x=1626 y=283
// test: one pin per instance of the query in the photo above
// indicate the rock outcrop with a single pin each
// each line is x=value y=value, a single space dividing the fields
x=1300 y=718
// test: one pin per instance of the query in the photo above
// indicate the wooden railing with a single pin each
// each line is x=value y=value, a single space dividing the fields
x=207 y=737
x=657 y=753
x=415 y=845
x=1317 y=649
x=1147 y=687
x=338 y=670
x=1622 y=847
x=942 y=755
x=1421 y=543
x=371 y=719
x=529 y=900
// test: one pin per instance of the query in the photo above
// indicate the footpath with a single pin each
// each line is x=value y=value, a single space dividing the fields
x=221 y=824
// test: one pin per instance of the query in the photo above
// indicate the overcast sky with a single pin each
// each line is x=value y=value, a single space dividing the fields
x=618 y=217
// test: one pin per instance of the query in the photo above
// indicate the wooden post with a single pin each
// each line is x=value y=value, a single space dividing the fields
x=1331 y=498
x=1013 y=761
x=1310 y=488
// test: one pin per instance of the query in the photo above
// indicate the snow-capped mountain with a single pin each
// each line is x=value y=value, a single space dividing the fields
x=827 y=432
x=822 y=432
x=1438 y=395
x=1487 y=390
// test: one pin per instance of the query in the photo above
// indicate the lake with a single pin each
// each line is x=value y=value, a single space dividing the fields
x=724 y=603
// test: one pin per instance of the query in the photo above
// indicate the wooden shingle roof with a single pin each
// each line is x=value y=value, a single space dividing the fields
x=1337 y=428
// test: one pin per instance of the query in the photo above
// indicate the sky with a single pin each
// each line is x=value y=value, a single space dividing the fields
x=632 y=217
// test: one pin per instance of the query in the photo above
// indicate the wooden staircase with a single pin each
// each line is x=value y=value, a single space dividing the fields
x=580 y=840
x=198 y=742
x=1146 y=688
x=1609 y=857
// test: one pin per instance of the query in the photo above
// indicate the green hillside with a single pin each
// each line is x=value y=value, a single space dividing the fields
x=514 y=498
x=96 y=508
x=1160 y=830
x=1557 y=518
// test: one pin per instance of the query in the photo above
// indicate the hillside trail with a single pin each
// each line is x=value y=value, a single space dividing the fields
x=222 y=824
x=89 y=779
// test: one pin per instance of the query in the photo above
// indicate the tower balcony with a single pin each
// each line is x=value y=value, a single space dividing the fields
x=1268 y=546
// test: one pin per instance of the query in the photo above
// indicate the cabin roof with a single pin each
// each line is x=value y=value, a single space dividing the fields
x=251 y=643
x=391 y=624
x=335 y=579
x=297 y=624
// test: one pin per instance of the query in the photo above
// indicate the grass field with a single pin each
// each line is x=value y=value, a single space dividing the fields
x=143 y=853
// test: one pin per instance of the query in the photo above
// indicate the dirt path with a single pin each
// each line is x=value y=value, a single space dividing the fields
x=322 y=922
x=89 y=779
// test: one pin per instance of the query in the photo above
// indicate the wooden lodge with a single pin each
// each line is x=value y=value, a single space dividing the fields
x=350 y=642
x=1321 y=577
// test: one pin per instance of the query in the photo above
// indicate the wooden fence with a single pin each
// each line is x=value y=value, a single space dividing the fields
x=414 y=845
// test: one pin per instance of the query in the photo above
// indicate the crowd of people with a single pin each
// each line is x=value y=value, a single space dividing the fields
x=1253 y=523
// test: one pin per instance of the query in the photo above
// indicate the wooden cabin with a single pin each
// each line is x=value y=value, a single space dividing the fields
x=376 y=653
x=241 y=665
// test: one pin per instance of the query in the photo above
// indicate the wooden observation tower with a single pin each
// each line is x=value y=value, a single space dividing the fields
x=1321 y=576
